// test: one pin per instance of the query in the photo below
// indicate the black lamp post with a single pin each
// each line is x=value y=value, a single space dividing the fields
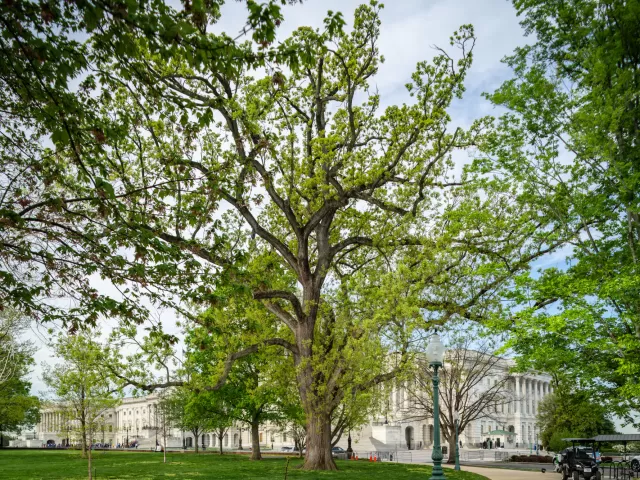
x=349 y=449
x=435 y=357
x=127 y=430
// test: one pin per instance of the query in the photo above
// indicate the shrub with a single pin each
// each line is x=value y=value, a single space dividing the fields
x=532 y=458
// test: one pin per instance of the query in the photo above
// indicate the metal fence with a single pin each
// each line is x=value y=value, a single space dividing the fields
x=619 y=471
x=474 y=454
x=501 y=456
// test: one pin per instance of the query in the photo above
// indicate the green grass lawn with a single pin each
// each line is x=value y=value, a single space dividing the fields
x=54 y=465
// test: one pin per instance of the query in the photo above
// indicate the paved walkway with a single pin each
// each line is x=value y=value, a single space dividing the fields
x=505 y=474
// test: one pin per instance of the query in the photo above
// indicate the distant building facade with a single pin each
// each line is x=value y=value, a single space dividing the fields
x=135 y=419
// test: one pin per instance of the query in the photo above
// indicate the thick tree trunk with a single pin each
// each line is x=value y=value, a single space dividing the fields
x=220 y=442
x=255 y=440
x=452 y=449
x=196 y=437
x=318 y=455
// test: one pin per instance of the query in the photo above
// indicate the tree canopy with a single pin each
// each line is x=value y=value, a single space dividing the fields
x=570 y=141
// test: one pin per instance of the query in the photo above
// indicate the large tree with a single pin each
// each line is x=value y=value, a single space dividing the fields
x=353 y=210
x=570 y=140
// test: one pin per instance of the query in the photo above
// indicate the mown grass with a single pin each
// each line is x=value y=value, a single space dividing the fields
x=68 y=465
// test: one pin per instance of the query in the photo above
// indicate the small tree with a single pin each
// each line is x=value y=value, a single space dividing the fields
x=573 y=412
x=187 y=412
x=83 y=393
x=253 y=385
x=221 y=425
x=468 y=363
x=164 y=419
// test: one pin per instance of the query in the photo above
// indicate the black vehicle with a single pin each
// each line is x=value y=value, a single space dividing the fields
x=576 y=463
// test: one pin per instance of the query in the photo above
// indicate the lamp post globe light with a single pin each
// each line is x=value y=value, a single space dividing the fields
x=435 y=357
x=456 y=420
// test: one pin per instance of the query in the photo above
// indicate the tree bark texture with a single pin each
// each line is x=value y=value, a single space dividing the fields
x=318 y=456
x=452 y=449
x=255 y=440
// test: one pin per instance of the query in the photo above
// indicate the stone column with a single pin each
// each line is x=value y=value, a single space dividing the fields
x=534 y=397
x=517 y=401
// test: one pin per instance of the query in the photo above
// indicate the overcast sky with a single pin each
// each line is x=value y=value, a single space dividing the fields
x=410 y=29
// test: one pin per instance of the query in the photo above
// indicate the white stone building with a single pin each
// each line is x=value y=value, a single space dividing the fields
x=135 y=419
x=391 y=431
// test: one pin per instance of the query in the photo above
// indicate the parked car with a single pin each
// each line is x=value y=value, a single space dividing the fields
x=338 y=452
x=287 y=449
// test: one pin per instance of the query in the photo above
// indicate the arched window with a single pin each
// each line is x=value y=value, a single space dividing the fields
x=235 y=439
x=213 y=437
x=189 y=442
x=226 y=440
x=261 y=437
x=284 y=437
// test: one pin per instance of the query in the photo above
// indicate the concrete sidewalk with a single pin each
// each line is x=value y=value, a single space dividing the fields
x=505 y=474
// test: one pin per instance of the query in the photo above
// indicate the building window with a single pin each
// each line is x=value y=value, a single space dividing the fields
x=284 y=437
x=226 y=440
x=261 y=437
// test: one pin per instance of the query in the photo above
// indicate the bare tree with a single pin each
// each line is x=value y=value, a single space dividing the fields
x=473 y=381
